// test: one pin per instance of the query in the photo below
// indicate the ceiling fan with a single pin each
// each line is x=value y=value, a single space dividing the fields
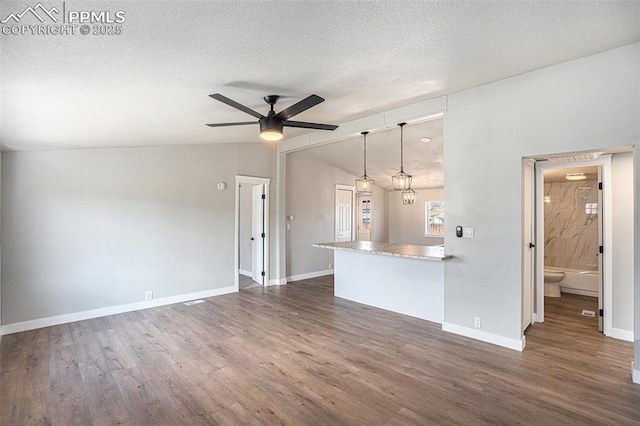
x=271 y=125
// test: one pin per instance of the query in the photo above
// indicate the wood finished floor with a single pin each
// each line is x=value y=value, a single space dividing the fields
x=297 y=355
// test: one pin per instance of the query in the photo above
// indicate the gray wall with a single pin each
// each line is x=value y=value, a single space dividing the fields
x=623 y=232
x=406 y=222
x=88 y=229
x=586 y=104
x=310 y=199
x=380 y=213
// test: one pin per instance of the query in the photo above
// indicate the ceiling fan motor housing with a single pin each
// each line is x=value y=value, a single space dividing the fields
x=270 y=124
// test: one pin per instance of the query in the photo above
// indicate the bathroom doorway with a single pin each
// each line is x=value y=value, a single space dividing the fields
x=572 y=220
x=572 y=228
x=611 y=208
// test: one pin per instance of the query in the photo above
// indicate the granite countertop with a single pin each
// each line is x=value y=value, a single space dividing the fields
x=434 y=253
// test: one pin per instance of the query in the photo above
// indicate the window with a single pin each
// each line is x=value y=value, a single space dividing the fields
x=434 y=218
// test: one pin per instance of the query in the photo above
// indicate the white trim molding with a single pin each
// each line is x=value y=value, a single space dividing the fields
x=111 y=310
x=635 y=375
x=276 y=281
x=245 y=273
x=515 y=344
x=618 y=333
x=308 y=275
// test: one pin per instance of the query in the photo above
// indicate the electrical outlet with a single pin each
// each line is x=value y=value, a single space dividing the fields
x=477 y=322
x=329 y=265
x=148 y=295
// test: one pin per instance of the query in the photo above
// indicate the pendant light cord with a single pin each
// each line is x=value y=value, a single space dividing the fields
x=365 y=153
x=401 y=147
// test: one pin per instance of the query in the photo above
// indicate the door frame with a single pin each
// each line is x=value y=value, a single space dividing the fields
x=604 y=161
x=251 y=180
x=528 y=243
x=353 y=203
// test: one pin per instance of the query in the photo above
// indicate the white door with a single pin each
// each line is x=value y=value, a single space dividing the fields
x=344 y=214
x=257 y=233
x=364 y=218
x=528 y=243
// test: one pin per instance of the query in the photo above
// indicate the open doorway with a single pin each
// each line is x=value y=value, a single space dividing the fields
x=578 y=233
x=572 y=204
x=364 y=218
x=252 y=235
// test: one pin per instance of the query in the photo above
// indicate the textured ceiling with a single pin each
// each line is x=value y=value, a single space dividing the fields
x=149 y=85
x=423 y=161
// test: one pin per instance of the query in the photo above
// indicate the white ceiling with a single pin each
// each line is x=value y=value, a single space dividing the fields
x=149 y=86
x=423 y=161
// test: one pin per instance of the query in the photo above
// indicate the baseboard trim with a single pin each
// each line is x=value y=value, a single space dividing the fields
x=245 y=273
x=111 y=310
x=517 y=345
x=310 y=275
x=276 y=281
x=635 y=375
x=579 y=292
x=618 y=333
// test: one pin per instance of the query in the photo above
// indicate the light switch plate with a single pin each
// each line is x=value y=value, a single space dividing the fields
x=467 y=232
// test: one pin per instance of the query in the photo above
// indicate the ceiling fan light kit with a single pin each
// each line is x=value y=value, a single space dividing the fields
x=270 y=129
x=271 y=125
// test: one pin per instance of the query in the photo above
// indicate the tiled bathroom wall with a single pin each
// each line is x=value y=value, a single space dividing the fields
x=571 y=225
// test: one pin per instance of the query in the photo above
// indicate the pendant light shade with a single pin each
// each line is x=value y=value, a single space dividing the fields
x=408 y=196
x=401 y=180
x=364 y=184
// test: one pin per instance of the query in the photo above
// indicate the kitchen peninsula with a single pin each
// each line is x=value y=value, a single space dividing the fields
x=402 y=278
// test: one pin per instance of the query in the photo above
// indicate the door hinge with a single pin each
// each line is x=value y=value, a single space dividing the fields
x=263 y=273
x=601 y=249
x=264 y=196
x=600 y=186
x=264 y=235
x=601 y=312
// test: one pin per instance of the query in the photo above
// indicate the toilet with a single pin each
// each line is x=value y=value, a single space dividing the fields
x=552 y=282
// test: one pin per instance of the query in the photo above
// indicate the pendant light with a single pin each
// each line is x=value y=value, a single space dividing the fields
x=364 y=184
x=408 y=196
x=401 y=180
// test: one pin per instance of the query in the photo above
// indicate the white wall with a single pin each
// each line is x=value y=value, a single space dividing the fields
x=587 y=104
x=0 y=241
x=310 y=199
x=379 y=214
x=90 y=229
x=623 y=231
x=406 y=222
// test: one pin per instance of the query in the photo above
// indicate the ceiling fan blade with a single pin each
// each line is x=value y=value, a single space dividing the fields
x=232 y=103
x=299 y=107
x=240 y=123
x=305 y=125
